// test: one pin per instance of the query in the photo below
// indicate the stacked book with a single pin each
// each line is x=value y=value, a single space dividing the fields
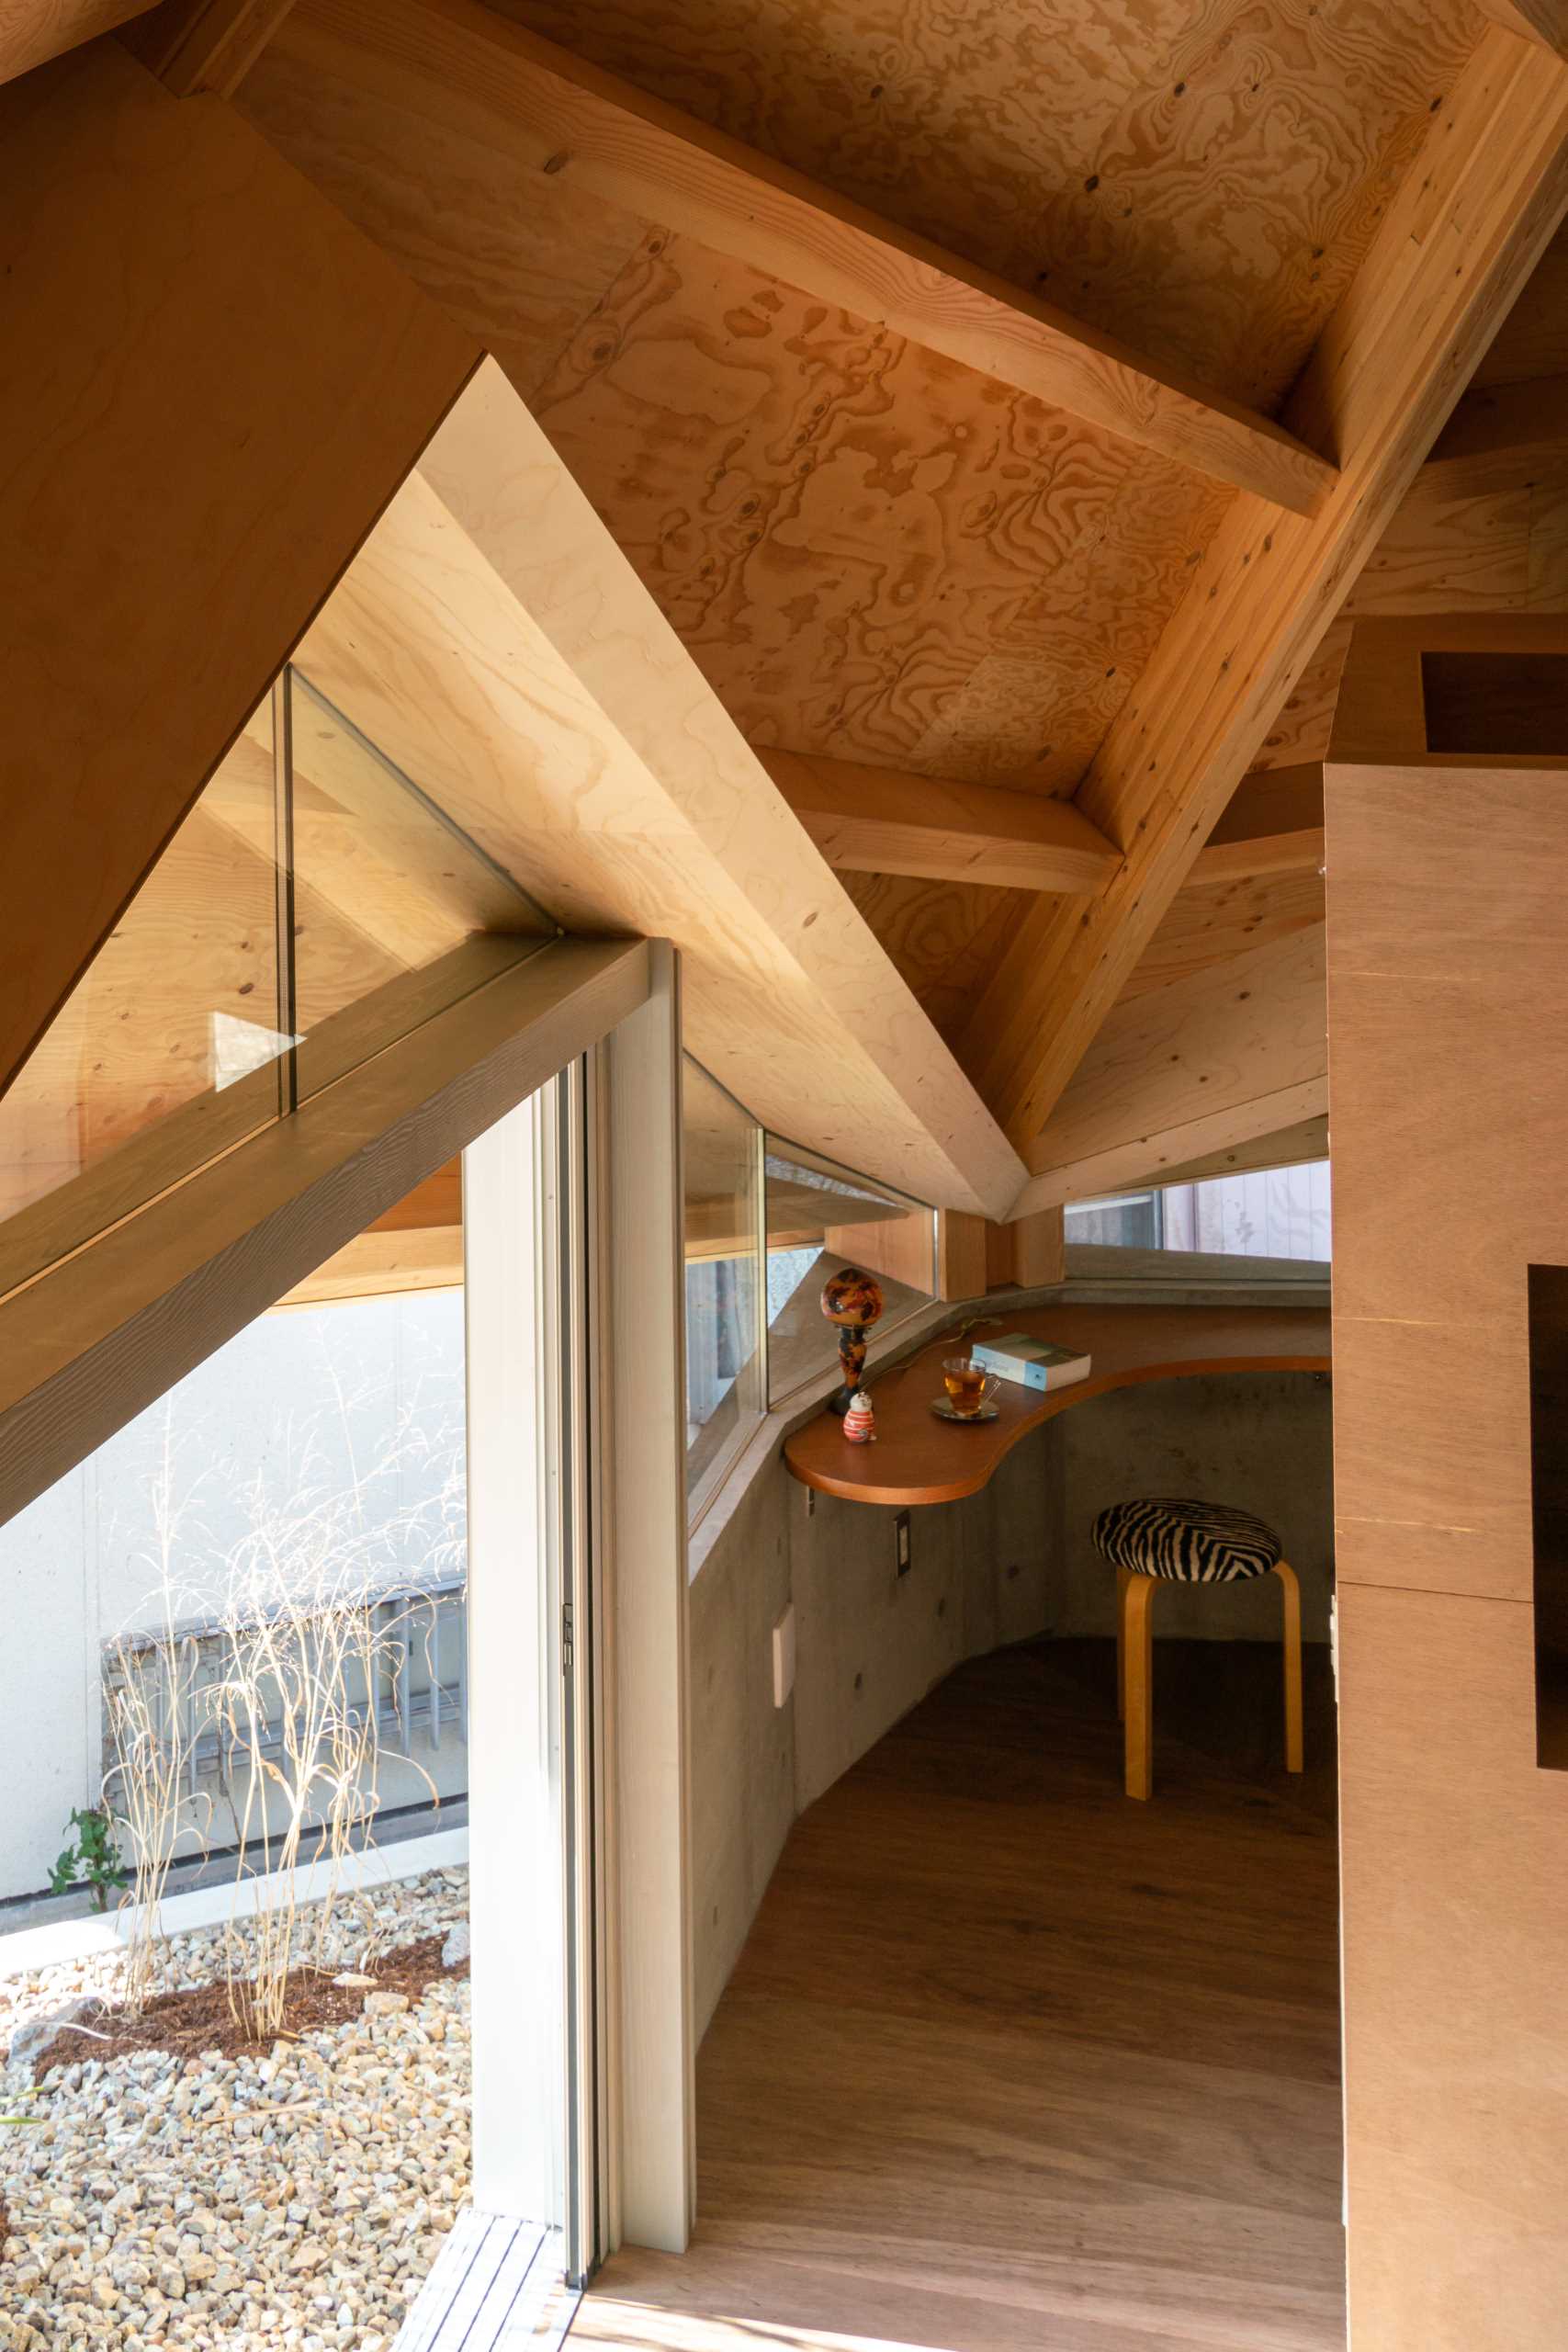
x=1034 y=1364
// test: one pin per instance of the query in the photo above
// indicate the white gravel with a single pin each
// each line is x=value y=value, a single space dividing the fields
x=241 y=2205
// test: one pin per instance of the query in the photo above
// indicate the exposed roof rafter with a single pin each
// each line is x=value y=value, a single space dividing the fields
x=527 y=97
x=883 y=820
x=1457 y=244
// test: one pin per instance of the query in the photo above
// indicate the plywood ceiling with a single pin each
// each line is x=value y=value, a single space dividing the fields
x=877 y=554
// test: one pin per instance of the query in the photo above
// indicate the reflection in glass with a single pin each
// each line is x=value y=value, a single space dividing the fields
x=820 y=1219
x=385 y=888
x=174 y=1026
x=314 y=907
x=724 y=1364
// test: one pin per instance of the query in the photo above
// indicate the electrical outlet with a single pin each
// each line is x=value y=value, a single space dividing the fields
x=901 y=1540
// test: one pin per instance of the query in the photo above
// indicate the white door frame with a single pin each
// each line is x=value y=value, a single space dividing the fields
x=520 y=1460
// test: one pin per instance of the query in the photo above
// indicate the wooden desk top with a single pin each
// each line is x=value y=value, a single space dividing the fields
x=917 y=1458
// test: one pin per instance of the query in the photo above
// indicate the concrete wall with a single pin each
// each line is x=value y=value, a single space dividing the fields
x=358 y=1404
x=1009 y=1563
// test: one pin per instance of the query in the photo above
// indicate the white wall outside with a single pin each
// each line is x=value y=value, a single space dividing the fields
x=369 y=1390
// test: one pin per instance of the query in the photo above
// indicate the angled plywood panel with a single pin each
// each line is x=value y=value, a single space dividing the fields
x=32 y=31
x=1181 y=1072
x=493 y=640
x=210 y=385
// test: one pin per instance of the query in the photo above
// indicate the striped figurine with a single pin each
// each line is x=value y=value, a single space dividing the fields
x=860 y=1420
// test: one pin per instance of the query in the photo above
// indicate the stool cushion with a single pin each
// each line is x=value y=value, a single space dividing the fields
x=1189 y=1543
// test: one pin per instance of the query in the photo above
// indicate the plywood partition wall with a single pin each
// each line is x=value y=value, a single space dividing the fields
x=1448 y=978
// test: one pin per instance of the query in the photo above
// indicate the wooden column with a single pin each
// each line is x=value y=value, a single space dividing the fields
x=1448 y=978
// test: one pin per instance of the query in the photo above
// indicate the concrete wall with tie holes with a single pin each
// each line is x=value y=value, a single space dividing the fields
x=1010 y=1562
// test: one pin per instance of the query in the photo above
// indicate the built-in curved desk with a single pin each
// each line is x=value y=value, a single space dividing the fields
x=917 y=1458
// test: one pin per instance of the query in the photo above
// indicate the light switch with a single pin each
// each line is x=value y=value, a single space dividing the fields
x=783 y=1656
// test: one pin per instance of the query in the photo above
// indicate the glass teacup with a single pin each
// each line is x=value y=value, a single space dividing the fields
x=968 y=1385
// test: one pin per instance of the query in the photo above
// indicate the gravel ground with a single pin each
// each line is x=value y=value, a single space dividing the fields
x=295 y=2200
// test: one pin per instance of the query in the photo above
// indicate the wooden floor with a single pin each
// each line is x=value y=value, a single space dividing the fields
x=1010 y=2061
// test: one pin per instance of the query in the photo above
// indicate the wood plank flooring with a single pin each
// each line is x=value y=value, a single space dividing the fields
x=1010 y=2061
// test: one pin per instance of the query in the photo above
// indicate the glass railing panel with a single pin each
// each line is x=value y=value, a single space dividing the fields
x=724 y=1263
x=821 y=1219
x=170 y=1047
x=397 y=914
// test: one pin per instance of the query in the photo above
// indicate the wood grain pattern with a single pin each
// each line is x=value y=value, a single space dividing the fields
x=1225 y=1039
x=920 y=1459
x=104 y=1333
x=1212 y=920
x=1285 y=1147
x=990 y=2126
x=32 y=31
x=1455 y=1917
x=555 y=718
x=1542 y=20
x=885 y=820
x=573 y=117
x=130 y=223
x=1273 y=824
x=1201 y=178
x=1445 y=985
x=196 y=45
x=1381 y=384
x=1433 y=963
x=377 y=1264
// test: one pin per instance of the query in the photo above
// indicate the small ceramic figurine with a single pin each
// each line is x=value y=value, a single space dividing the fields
x=860 y=1421
x=852 y=1299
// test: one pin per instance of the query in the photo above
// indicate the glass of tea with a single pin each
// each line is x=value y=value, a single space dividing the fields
x=968 y=1385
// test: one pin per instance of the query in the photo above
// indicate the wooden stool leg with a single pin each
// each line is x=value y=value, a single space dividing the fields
x=1137 y=1643
x=1124 y=1579
x=1292 y=1597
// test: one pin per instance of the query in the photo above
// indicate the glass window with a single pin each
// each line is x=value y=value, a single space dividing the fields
x=1253 y=1212
x=174 y=1026
x=822 y=1217
x=387 y=895
x=724 y=1361
x=312 y=907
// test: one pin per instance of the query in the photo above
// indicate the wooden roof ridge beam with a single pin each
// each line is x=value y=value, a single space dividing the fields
x=889 y=821
x=1273 y=824
x=1457 y=243
x=526 y=96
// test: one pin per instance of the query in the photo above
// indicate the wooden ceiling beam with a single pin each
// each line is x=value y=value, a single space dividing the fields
x=1458 y=242
x=1272 y=825
x=508 y=88
x=494 y=643
x=885 y=820
x=204 y=45
x=1497 y=439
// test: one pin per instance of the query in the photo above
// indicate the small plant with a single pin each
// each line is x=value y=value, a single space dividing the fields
x=90 y=1855
x=17 y=2122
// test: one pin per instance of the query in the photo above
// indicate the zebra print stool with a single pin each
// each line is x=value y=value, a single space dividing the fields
x=1186 y=1543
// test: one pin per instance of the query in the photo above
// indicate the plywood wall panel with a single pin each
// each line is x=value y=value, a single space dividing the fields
x=1456 y=1909
x=1449 y=1069
x=210 y=385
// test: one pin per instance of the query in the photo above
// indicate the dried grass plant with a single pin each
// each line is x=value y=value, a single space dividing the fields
x=283 y=1683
